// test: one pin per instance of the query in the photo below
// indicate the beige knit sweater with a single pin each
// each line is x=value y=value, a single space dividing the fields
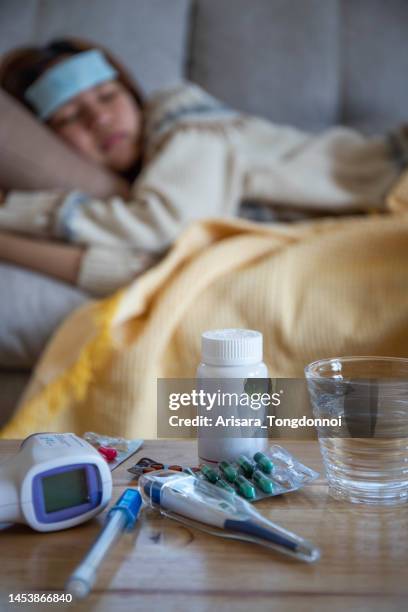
x=202 y=160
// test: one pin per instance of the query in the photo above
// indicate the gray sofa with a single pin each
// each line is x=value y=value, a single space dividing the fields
x=309 y=63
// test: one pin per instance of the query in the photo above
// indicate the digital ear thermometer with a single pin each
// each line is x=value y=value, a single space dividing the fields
x=54 y=482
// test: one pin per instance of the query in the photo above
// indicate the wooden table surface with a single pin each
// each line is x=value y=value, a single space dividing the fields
x=165 y=566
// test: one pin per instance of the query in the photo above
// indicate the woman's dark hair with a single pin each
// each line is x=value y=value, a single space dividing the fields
x=21 y=68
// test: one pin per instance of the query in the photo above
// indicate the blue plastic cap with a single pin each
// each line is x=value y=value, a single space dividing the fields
x=129 y=503
x=153 y=489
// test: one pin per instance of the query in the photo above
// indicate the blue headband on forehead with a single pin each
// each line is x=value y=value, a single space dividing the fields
x=67 y=79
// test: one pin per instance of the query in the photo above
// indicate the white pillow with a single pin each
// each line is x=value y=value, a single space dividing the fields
x=31 y=308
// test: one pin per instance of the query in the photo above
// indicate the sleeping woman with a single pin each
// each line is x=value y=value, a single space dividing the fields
x=178 y=157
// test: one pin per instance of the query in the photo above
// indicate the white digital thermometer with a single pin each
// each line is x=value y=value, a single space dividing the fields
x=194 y=502
x=55 y=481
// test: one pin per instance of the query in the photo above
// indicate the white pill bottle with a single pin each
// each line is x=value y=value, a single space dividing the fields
x=232 y=356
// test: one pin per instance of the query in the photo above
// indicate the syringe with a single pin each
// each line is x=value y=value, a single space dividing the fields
x=121 y=517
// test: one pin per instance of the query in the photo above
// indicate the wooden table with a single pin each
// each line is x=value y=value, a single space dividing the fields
x=165 y=566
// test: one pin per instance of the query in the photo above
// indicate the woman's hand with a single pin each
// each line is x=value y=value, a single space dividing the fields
x=51 y=258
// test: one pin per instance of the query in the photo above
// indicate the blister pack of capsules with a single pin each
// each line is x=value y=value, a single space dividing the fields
x=268 y=474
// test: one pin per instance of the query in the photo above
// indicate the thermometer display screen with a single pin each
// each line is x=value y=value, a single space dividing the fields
x=65 y=490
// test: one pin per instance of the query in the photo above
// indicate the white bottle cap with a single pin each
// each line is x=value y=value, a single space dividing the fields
x=229 y=347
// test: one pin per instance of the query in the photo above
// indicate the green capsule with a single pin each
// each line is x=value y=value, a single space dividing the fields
x=262 y=481
x=245 y=465
x=209 y=473
x=264 y=462
x=222 y=484
x=245 y=488
x=230 y=472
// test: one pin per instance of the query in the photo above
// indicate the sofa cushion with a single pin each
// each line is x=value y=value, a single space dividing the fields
x=375 y=64
x=149 y=36
x=31 y=307
x=310 y=64
x=12 y=385
x=274 y=58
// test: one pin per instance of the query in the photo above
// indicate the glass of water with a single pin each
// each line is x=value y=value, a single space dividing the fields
x=361 y=408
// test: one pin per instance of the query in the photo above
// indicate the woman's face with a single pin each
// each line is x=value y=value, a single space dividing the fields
x=104 y=123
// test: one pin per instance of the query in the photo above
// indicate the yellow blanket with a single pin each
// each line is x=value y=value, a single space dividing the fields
x=320 y=289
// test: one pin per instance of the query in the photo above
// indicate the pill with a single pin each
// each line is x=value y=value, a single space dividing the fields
x=245 y=488
x=223 y=484
x=262 y=481
x=110 y=454
x=230 y=472
x=245 y=465
x=264 y=462
x=209 y=473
